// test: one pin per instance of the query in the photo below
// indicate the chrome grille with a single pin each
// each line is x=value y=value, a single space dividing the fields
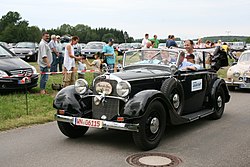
x=113 y=84
x=109 y=108
x=22 y=71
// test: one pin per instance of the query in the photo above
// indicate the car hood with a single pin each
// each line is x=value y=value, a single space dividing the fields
x=141 y=73
x=22 y=50
x=8 y=64
x=91 y=50
x=241 y=67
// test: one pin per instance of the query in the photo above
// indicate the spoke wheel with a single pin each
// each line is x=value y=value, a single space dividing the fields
x=151 y=126
x=218 y=104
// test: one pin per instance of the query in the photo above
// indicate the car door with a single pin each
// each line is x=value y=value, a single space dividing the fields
x=194 y=85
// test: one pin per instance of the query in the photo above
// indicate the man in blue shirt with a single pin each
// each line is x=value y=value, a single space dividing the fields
x=109 y=54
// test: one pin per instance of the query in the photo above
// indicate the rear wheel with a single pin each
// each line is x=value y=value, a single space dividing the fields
x=151 y=127
x=72 y=131
x=173 y=90
x=218 y=104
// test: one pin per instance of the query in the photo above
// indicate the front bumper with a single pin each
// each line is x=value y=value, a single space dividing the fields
x=13 y=83
x=105 y=124
x=239 y=84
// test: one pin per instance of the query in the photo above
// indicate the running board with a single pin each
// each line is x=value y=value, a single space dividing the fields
x=198 y=115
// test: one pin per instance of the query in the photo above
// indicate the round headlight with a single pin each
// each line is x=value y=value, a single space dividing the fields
x=34 y=70
x=123 y=88
x=3 y=74
x=81 y=86
x=236 y=74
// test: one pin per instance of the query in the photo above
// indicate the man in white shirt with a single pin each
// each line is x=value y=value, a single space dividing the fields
x=145 y=41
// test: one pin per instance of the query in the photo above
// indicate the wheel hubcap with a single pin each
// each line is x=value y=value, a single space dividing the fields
x=154 y=125
x=176 y=101
x=219 y=101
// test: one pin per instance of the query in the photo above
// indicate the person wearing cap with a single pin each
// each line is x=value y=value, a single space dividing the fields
x=55 y=53
x=59 y=49
x=109 y=54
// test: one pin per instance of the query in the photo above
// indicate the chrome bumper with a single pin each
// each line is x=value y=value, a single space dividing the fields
x=238 y=84
x=105 y=124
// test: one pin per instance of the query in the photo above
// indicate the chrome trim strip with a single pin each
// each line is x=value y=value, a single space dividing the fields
x=106 y=124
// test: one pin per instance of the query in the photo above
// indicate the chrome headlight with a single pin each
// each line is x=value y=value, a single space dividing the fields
x=31 y=52
x=123 y=88
x=3 y=74
x=236 y=74
x=34 y=70
x=81 y=86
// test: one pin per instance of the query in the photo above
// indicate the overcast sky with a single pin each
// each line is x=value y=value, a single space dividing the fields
x=183 y=18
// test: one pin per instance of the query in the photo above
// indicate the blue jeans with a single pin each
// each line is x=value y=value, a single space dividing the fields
x=54 y=63
x=60 y=61
x=44 y=77
x=111 y=68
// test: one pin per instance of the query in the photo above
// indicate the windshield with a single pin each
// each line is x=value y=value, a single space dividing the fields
x=244 y=57
x=4 y=52
x=94 y=46
x=25 y=45
x=150 y=56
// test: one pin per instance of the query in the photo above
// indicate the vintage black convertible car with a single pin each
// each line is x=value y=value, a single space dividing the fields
x=147 y=95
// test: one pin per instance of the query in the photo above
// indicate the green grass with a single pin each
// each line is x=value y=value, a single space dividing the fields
x=13 y=111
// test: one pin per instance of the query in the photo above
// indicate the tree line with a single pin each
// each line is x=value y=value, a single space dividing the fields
x=14 y=29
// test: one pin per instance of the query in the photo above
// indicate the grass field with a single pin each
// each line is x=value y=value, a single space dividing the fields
x=13 y=111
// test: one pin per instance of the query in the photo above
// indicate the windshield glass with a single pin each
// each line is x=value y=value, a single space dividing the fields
x=25 y=45
x=151 y=56
x=244 y=57
x=4 y=52
x=94 y=46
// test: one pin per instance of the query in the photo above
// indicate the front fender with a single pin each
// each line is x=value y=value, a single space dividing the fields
x=220 y=83
x=71 y=102
x=137 y=106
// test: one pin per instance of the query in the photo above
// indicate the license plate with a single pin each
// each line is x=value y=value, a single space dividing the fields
x=88 y=122
x=22 y=56
x=26 y=81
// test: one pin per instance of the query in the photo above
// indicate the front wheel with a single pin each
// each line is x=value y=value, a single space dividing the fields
x=151 y=127
x=218 y=104
x=70 y=130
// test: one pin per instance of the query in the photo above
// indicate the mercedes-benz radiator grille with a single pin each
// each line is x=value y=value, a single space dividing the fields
x=109 y=109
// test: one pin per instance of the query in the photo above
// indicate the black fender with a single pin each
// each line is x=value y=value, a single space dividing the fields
x=136 y=107
x=220 y=83
x=71 y=102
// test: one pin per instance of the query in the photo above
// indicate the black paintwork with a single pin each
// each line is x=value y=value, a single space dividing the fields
x=146 y=82
x=9 y=63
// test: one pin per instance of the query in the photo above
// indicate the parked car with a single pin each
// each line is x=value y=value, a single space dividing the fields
x=124 y=47
x=248 y=46
x=91 y=48
x=237 y=46
x=15 y=73
x=147 y=95
x=26 y=50
x=238 y=76
x=136 y=45
x=4 y=44
x=162 y=46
